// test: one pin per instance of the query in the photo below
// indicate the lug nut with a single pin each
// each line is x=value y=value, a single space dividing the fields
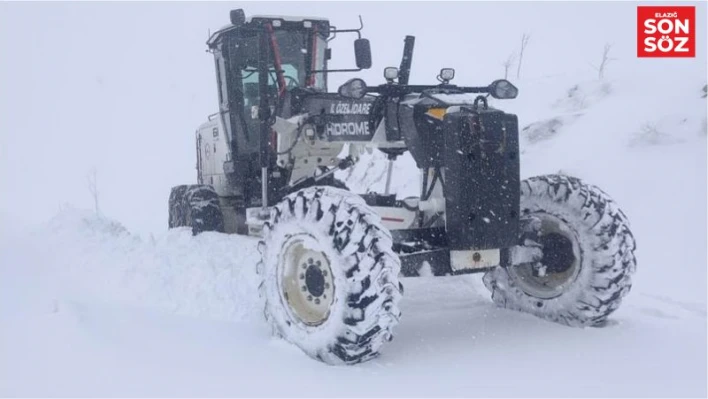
x=317 y=301
x=302 y=276
x=326 y=286
x=304 y=266
x=324 y=273
x=304 y=288
x=309 y=297
x=309 y=261
x=318 y=263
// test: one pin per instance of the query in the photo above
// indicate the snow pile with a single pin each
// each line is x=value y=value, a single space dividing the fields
x=211 y=275
x=370 y=172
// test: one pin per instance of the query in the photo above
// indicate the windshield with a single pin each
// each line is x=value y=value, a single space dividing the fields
x=293 y=50
x=249 y=80
x=292 y=53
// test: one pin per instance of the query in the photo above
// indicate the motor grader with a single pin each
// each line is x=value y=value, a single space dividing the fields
x=332 y=260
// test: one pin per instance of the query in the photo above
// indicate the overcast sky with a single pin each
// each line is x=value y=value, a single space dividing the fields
x=121 y=87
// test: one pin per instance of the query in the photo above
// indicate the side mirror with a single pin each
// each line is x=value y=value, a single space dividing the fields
x=502 y=89
x=362 y=52
x=353 y=88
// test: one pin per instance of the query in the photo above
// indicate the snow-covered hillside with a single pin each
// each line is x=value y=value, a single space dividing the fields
x=89 y=309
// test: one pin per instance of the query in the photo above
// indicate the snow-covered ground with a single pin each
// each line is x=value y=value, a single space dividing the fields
x=88 y=308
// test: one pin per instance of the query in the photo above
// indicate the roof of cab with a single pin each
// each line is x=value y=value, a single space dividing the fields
x=286 y=18
x=290 y=18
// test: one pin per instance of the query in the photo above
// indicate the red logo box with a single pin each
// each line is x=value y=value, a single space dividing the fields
x=668 y=31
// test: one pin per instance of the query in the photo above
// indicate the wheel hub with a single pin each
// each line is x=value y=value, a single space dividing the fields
x=558 y=254
x=560 y=262
x=306 y=280
x=315 y=281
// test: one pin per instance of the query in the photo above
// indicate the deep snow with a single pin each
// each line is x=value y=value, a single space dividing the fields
x=88 y=308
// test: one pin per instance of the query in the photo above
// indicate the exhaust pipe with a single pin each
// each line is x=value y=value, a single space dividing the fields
x=404 y=72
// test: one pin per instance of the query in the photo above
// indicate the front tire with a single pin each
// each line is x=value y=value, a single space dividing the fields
x=329 y=276
x=588 y=255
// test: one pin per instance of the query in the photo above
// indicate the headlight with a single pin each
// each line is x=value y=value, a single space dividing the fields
x=353 y=88
x=503 y=89
x=447 y=74
x=390 y=73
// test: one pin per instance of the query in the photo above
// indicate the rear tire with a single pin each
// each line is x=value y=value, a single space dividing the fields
x=329 y=275
x=196 y=206
x=588 y=255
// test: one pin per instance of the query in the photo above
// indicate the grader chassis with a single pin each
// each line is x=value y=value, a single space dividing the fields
x=331 y=259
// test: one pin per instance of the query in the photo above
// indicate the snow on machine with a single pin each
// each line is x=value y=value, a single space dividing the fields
x=332 y=260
